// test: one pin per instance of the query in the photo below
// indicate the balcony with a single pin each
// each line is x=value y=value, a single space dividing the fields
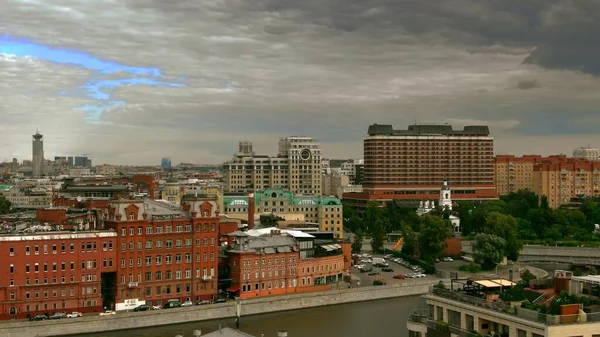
x=132 y=285
x=505 y=310
x=206 y=277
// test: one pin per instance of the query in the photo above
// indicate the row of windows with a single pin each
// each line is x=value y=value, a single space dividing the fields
x=268 y=285
x=63 y=279
x=167 y=275
x=168 y=244
x=90 y=264
x=85 y=247
x=257 y=262
x=168 y=259
x=158 y=229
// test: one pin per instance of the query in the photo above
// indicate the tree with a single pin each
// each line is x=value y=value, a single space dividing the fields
x=4 y=206
x=504 y=226
x=432 y=237
x=410 y=238
x=377 y=236
x=526 y=277
x=488 y=250
x=358 y=242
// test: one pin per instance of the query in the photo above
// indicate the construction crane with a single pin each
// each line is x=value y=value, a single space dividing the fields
x=398 y=244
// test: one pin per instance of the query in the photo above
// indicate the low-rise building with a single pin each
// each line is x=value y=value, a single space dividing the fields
x=28 y=198
x=50 y=272
x=324 y=211
x=270 y=261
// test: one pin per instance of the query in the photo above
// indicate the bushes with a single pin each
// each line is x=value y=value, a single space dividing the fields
x=514 y=294
x=472 y=268
x=427 y=267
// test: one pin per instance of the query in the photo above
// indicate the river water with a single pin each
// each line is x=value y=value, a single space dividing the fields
x=381 y=318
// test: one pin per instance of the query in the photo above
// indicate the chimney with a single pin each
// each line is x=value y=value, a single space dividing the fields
x=251 y=211
x=282 y=333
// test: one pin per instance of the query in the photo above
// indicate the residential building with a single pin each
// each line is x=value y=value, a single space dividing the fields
x=472 y=307
x=325 y=211
x=56 y=272
x=587 y=152
x=296 y=167
x=333 y=182
x=106 y=170
x=348 y=168
x=515 y=173
x=270 y=261
x=79 y=172
x=38 y=154
x=560 y=179
x=165 y=251
x=411 y=164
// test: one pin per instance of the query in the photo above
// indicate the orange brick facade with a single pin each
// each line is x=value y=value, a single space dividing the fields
x=55 y=272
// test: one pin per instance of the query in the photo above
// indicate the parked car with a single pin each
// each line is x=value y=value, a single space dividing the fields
x=142 y=307
x=74 y=314
x=447 y=259
x=156 y=307
x=378 y=283
x=373 y=273
x=58 y=315
x=387 y=270
x=187 y=304
x=419 y=275
x=39 y=318
x=399 y=277
x=388 y=256
x=205 y=302
x=366 y=270
x=221 y=300
x=108 y=313
x=172 y=304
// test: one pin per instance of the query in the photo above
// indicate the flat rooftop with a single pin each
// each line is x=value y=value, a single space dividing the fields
x=428 y=129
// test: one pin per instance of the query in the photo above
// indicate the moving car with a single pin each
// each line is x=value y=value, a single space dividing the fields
x=172 y=304
x=447 y=259
x=156 y=307
x=74 y=314
x=142 y=307
x=399 y=277
x=205 y=302
x=387 y=270
x=58 y=315
x=108 y=313
x=187 y=304
x=221 y=300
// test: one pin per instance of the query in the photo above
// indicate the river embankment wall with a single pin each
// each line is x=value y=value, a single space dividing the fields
x=133 y=320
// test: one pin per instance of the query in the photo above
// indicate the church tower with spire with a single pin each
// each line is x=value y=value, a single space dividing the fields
x=445 y=196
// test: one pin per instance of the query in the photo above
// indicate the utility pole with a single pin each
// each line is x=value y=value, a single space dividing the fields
x=238 y=311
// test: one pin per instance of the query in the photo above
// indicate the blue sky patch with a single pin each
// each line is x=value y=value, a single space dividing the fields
x=105 y=78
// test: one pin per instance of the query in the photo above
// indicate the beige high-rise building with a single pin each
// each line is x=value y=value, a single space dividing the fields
x=296 y=167
x=561 y=179
x=333 y=183
x=514 y=173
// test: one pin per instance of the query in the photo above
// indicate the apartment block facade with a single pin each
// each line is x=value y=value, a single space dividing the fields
x=296 y=167
x=515 y=173
x=561 y=180
x=413 y=163
x=56 y=272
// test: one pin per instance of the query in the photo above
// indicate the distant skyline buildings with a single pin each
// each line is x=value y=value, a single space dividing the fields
x=38 y=154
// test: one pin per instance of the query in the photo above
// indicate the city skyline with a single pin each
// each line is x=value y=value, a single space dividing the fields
x=204 y=75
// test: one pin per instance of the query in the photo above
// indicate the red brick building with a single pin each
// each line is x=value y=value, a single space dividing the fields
x=56 y=272
x=165 y=251
x=273 y=262
x=411 y=164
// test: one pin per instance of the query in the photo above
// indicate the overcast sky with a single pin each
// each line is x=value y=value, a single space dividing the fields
x=131 y=81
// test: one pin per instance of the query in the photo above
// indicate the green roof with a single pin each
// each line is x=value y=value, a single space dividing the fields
x=259 y=196
x=4 y=187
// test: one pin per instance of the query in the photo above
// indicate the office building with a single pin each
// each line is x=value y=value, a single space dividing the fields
x=333 y=183
x=587 y=152
x=296 y=167
x=411 y=164
x=38 y=155
x=165 y=162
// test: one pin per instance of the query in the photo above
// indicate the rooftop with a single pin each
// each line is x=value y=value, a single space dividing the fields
x=428 y=129
x=227 y=332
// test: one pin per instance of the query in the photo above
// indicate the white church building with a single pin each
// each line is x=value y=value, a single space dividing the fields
x=444 y=202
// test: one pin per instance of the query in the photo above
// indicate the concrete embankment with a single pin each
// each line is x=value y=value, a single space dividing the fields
x=123 y=320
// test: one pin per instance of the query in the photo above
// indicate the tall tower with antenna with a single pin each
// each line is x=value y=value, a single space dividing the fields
x=38 y=154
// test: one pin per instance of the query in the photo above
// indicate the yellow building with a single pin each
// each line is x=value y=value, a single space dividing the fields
x=172 y=191
x=514 y=173
x=324 y=211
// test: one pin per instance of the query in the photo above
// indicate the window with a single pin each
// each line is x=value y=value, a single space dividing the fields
x=45 y=249
x=148 y=276
x=178 y=258
x=178 y=243
x=188 y=243
x=158 y=260
x=188 y=258
x=63 y=248
x=212 y=242
x=148 y=260
x=178 y=228
x=168 y=244
x=72 y=248
x=205 y=257
x=11 y=251
x=27 y=268
x=149 y=244
x=123 y=231
x=12 y=269
x=36 y=250
x=188 y=273
x=12 y=296
x=212 y=256
x=158 y=276
x=149 y=230
x=205 y=242
x=53 y=249
x=158 y=244
x=131 y=231
x=168 y=259
x=178 y=274
x=139 y=228
x=26 y=250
